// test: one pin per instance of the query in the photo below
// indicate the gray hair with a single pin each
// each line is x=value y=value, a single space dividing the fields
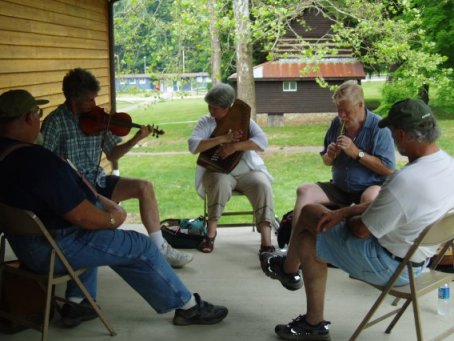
x=221 y=95
x=350 y=91
x=428 y=132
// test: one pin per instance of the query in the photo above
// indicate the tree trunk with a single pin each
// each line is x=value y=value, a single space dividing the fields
x=423 y=93
x=243 y=48
x=215 y=44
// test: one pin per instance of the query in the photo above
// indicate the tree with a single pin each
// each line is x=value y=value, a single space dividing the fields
x=245 y=77
x=166 y=32
x=215 y=43
x=412 y=40
x=387 y=35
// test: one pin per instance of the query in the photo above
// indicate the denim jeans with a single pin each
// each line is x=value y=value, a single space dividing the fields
x=364 y=259
x=130 y=254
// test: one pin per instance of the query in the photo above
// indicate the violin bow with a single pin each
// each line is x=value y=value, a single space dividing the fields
x=103 y=140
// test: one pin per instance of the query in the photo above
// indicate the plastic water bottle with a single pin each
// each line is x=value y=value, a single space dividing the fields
x=444 y=296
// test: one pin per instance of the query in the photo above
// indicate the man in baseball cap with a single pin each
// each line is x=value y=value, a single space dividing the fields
x=370 y=240
x=16 y=103
x=36 y=179
x=409 y=115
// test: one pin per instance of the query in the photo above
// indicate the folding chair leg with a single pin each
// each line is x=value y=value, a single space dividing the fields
x=398 y=315
x=49 y=291
x=417 y=319
x=93 y=304
x=396 y=301
x=370 y=313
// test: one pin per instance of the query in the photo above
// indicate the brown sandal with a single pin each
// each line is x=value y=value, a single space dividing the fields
x=207 y=244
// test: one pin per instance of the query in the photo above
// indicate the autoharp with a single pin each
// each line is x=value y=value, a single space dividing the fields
x=237 y=118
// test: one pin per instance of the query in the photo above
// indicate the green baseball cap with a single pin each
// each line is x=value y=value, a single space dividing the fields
x=409 y=114
x=16 y=103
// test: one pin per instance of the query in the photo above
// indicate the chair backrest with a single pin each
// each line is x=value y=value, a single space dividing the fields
x=19 y=221
x=440 y=231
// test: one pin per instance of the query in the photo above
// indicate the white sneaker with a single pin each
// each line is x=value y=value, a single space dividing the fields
x=177 y=259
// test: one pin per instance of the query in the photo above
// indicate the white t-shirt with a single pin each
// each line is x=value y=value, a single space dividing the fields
x=411 y=199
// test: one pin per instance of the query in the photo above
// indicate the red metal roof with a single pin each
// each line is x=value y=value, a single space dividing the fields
x=299 y=70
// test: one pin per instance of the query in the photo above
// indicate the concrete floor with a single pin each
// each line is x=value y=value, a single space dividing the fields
x=231 y=276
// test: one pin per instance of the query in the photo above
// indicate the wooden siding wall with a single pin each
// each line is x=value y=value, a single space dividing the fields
x=316 y=26
x=40 y=40
x=309 y=98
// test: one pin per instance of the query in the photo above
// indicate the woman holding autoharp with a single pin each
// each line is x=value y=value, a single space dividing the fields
x=227 y=140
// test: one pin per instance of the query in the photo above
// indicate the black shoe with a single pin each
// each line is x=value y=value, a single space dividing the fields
x=73 y=314
x=273 y=266
x=264 y=250
x=202 y=313
x=300 y=330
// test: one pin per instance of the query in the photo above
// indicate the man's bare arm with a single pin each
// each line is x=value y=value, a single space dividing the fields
x=88 y=216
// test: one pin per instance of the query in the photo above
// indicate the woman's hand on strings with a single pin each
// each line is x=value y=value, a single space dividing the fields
x=226 y=150
x=233 y=136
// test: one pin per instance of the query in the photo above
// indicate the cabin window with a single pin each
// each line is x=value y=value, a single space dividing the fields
x=289 y=86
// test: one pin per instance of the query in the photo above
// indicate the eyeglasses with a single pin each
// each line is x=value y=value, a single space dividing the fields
x=38 y=112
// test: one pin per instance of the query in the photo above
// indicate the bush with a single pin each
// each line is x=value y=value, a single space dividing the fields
x=395 y=91
x=441 y=96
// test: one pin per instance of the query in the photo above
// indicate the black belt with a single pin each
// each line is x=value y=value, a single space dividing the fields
x=413 y=264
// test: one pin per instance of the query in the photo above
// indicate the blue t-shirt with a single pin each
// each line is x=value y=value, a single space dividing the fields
x=36 y=179
x=350 y=175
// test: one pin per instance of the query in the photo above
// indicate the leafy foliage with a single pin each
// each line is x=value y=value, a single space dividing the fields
x=412 y=41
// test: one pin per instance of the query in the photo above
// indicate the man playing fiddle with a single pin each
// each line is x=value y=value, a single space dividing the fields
x=62 y=135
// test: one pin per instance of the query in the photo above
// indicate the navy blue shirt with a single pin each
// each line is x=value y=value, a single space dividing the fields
x=36 y=179
x=350 y=175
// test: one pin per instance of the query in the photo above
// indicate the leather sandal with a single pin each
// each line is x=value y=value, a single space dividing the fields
x=207 y=244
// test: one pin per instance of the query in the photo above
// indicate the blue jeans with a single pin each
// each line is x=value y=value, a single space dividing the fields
x=364 y=259
x=130 y=254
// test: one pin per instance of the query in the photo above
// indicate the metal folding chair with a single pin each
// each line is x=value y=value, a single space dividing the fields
x=26 y=223
x=440 y=232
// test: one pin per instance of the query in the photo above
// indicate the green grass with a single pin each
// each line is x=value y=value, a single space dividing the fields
x=173 y=175
x=372 y=93
x=173 y=179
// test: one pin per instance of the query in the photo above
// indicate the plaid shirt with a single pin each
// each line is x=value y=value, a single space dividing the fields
x=62 y=135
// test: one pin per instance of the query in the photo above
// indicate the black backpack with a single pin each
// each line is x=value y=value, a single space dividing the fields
x=285 y=229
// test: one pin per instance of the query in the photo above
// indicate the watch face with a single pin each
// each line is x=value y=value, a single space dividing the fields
x=361 y=154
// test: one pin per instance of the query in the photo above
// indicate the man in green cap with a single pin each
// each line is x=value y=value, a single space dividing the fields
x=16 y=103
x=369 y=240
x=83 y=223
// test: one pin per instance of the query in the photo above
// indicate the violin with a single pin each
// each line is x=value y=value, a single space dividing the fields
x=120 y=123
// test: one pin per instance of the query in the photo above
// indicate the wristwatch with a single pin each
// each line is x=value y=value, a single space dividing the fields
x=360 y=155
